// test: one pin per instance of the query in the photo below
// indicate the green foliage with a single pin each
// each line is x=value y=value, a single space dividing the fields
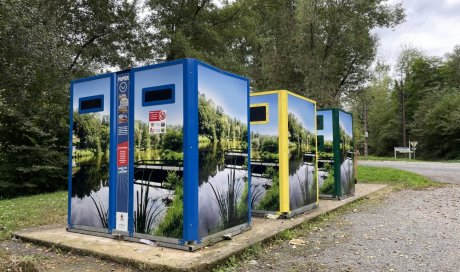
x=328 y=187
x=216 y=125
x=299 y=136
x=173 y=140
x=43 y=45
x=92 y=132
x=270 y=201
x=326 y=45
x=436 y=125
x=172 y=223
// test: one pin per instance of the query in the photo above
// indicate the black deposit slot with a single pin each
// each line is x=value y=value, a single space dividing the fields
x=158 y=95
x=258 y=114
x=91 y=104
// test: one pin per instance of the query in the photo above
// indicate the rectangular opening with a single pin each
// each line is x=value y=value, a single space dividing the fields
x=258 y=114
x=91 y=104
x=320 y=122
x=158 y=95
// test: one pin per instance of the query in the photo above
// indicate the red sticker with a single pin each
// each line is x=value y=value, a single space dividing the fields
x=157 y=115
x=122 y=154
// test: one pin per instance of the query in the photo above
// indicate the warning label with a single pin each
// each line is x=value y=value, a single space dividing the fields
x=157 y=115
x=157 y=122
x=122 y=154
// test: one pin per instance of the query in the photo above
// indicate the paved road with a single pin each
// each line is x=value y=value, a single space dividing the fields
x=408 y=230
x=437 y=171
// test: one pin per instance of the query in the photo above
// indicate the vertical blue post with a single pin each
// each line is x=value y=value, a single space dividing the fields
x=190 y=146
x=112 y=154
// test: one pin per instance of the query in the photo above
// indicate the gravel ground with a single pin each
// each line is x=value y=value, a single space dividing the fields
x=14 y=255
x=406 y=231
x=438 y=171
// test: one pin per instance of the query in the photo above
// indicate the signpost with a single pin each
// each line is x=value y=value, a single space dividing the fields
x=403 y=150
x=408 y=150
x=413 y=144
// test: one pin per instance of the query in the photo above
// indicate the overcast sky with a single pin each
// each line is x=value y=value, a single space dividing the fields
x=431 y=25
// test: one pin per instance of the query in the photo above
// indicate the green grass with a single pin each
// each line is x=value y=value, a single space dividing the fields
x=400 y=179
x=23 y=212
x=376 y=158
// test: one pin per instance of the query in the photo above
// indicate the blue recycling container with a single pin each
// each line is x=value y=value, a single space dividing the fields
x=160 y=153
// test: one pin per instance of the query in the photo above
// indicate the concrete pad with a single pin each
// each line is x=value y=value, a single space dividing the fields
x=173 y=259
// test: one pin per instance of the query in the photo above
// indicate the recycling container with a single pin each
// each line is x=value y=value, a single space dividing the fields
x=160 y=153
x=283 y=153
x=336 y=164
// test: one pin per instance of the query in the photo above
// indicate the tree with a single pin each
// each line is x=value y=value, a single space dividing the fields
x=43 y=45
x=319 y=49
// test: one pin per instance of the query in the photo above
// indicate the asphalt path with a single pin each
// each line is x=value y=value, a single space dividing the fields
x=437 y=171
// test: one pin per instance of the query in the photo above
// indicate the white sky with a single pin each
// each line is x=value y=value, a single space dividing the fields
x=431 y=25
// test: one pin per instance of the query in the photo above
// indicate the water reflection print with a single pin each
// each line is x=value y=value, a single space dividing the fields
x=222 y=135
x=265 y=156
x=302 y=152
x=89 y=198
x=158 y=155
x=347 y=180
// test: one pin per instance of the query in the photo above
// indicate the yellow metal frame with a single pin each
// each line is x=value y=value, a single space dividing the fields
x=283 y=150
x=267 y=115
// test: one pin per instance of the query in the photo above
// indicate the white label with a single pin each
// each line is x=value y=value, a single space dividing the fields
x=157 y=127
x=122 y=221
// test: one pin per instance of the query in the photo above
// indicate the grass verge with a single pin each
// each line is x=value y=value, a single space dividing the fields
x=376 y=158
x=399 y=179
x=23 y=212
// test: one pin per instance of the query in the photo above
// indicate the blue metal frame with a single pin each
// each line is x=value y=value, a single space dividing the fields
x=172 y=87
x=69 y=181
x=131 y=153
x=190 y=212
x=93 y=97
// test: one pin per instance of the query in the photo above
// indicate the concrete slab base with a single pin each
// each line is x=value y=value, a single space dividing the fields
x=160 y=258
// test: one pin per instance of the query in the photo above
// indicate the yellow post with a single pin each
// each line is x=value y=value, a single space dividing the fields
x=283 y=150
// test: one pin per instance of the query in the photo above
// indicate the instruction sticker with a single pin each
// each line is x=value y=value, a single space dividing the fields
x=122 y=221
x=157 y=122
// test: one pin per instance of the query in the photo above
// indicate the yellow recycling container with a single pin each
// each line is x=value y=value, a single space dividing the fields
x=283 y=153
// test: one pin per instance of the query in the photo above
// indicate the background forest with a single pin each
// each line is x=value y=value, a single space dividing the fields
x=322 y=49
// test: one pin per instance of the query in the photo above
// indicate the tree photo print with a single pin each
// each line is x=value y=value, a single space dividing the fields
x=158 y=156
x=264 y=156
x=302 y=152
x=90 y=155
x=347 y=180
x=223 y=135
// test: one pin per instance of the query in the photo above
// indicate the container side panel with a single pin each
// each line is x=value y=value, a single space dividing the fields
x=302 y=152
x=326 y=154
x=90 y=154
x=158 y=151
x=265 y=157
x=347 y=180
x=223 y=148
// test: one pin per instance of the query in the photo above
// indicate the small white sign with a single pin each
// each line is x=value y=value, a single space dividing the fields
x=157 y=127
x=122 y=221
x=402 y=149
